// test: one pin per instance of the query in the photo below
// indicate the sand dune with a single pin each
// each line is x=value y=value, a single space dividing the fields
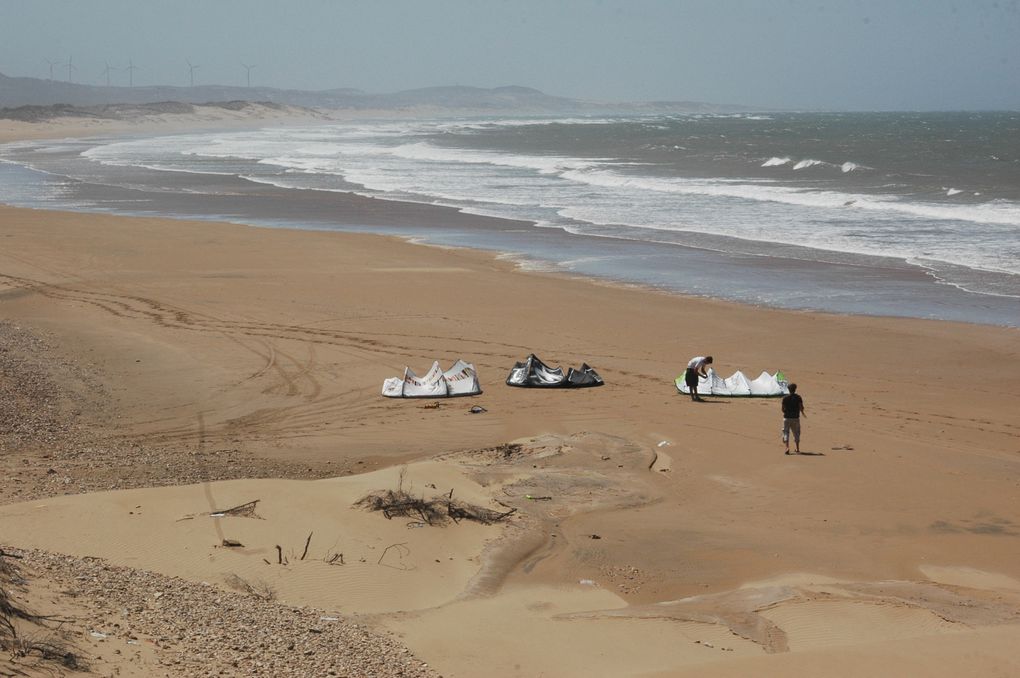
x=169 y=530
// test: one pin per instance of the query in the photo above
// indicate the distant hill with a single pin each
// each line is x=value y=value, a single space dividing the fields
x=17 y=92
x=135 y=112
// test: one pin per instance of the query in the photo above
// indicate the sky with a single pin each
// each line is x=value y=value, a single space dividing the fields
x=790 y=54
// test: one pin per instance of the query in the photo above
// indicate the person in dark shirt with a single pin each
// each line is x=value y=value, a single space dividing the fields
x=793 y=408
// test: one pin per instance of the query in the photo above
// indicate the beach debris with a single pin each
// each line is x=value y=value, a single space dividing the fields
x=245 y=510
x=533 y=498
x=664 y=443
x=435 y=511
x=843 y=447
x=232 y=543
x=307 y=542
x=402 y=551
x=587 y=582
x=332 y=559
x=434 y=405
x=98 y=634
x=259 y=589
x=595 y=536
x=477 y=409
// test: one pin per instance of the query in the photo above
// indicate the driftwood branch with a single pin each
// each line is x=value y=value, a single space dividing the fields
x=402 y=551
x=307 y=542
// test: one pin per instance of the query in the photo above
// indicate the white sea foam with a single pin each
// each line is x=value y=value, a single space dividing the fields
x=775 y=162
x=953 y=191
x=308 y=165
x=429 y=153
x=808 y=162
x=279 y=182
x=996 y=212
x=848 y=167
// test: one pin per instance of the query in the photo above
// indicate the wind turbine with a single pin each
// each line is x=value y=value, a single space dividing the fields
x=106 y=72
x=131 y=72
x=191 y=71
x=52 y=64
x=248 y=68
x=70 y=67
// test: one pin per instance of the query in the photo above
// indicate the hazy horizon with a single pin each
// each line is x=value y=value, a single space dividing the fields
x=822 y=55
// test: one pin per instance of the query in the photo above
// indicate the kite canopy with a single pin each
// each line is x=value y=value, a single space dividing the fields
x=459 y=380
x=533 y=373
x=765 y=386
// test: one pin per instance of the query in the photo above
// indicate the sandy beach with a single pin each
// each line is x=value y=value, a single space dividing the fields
x=159 y=371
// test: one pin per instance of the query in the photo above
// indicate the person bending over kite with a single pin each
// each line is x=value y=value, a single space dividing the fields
x=696 y=368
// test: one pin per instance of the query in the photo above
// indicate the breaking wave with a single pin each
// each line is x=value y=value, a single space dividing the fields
x=808 y=162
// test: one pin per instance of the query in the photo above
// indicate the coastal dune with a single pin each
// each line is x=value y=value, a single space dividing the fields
x=645 y=534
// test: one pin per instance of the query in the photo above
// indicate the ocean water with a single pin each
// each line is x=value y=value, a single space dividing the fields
x=913 y=214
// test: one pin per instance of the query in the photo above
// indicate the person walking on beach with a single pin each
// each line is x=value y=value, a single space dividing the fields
x=696 y=368
x=793 y=407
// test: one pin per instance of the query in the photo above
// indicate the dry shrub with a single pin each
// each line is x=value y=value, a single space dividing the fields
x=435 y=511
x=259 y=588
x=47 y=644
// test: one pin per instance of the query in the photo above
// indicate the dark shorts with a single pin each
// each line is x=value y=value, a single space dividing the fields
x=791 y=426
x=691 y=377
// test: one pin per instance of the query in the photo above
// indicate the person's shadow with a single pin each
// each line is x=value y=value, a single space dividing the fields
x=808 y=454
